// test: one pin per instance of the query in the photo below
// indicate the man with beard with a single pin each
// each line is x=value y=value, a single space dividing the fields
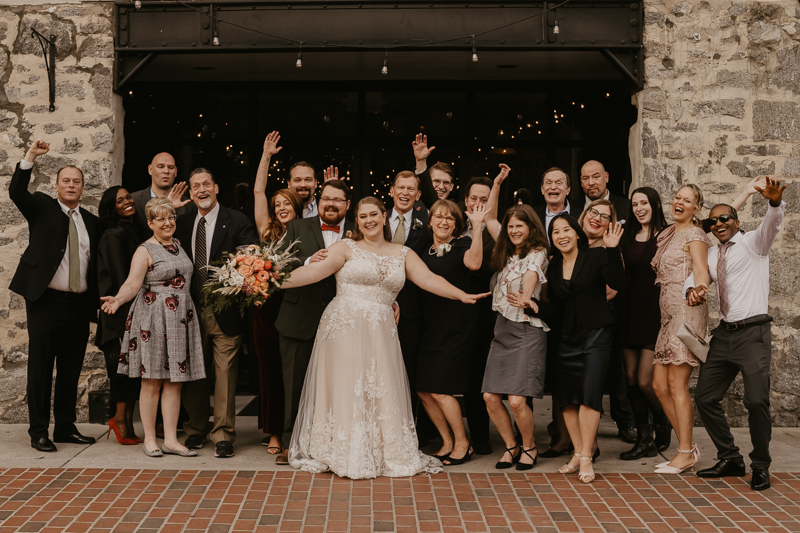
x=162 y=172
x=302 y=308
x=303 y=180
x=594 y=182
x=555 y=189
x=205 y=237
x=742 y=342
x=436 y=182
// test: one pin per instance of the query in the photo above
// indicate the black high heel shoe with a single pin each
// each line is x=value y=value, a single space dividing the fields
x=596 y=453
x=500 y=465
x=455 y=462
x=526 y=466
x=552 y=452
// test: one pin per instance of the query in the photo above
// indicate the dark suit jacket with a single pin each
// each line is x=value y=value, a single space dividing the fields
x=302 y=307
x=429 y=194
x=621 y=204
x=232 y=229
x=49 y=230
x=419 y=240
x=583 y=306
x=140 y=199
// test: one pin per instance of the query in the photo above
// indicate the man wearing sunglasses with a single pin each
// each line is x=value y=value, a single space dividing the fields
x=739 y=266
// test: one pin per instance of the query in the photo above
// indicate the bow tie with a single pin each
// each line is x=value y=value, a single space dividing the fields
x=335 y=229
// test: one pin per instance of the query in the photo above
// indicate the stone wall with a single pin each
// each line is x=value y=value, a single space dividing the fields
x=719 y=107
x=84 y=130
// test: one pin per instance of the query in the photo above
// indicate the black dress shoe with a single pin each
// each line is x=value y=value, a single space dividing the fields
x=724 y=468
x=628 y=434
x=223 y=449
x=553 y=452
x=760 y=479
x=195 y=441
x=482 y=448
x=43 y=445
x=74 y=438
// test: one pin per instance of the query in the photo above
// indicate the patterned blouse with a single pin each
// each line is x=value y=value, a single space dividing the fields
x=510 y=278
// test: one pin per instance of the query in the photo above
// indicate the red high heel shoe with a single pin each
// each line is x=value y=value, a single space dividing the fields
x=112 y=424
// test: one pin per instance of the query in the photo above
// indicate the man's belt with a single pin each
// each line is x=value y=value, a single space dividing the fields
x=753 y=321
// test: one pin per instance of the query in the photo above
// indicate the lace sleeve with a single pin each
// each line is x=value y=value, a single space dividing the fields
x=697 y=234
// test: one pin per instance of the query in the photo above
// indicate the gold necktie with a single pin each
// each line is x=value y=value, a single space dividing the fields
x=74 y=255
x=400 y=232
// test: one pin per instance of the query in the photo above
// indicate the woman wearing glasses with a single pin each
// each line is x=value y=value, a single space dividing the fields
x=161 y=343
x=443 y=359
x=595 y=220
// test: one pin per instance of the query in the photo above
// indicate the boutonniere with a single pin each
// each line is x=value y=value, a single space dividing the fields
x=417 y=224
x=348 y=234
x=443 y=249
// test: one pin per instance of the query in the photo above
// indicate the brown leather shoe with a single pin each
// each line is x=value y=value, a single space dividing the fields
x=282 y=458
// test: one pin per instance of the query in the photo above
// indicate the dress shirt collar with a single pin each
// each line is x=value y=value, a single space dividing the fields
x=606 y=196
x=549 y=213
x=66 y=209
x=211 y=216
x=408 y=215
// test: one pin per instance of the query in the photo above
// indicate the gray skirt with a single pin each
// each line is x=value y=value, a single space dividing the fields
x=516 y=362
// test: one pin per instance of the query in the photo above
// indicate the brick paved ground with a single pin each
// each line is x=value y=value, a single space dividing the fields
x=78 y=500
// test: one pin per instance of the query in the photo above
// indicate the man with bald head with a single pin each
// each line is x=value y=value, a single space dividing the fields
x=162 y=170
x=594 y=182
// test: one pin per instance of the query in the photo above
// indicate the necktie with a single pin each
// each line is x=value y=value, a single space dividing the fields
x=400 y=232
x=74 y=255
x=200 y=261
x=722 y=278
x=326 y=227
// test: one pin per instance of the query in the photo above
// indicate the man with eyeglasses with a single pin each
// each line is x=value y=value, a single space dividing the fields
x=742 y=342
x=436 y=182
x=212 y=231
x=303 y=180
x=594 y=182
x=555 y=187
x=302 y=308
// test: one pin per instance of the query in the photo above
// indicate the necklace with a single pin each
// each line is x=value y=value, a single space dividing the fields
x=171 y=247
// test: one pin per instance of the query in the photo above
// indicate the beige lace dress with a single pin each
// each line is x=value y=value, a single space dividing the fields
x=673 y=269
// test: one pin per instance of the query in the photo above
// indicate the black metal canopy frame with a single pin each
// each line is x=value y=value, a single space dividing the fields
x=49 y=54
x=146 y=29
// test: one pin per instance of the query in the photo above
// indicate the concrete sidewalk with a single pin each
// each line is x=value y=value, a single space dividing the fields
x=251 y=455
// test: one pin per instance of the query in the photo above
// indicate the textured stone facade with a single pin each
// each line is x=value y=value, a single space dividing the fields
x=719 y=107
x=84 y=130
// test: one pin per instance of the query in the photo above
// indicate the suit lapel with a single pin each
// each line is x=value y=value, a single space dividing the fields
x=220 y=229
x=317 y=231
x=581 y=259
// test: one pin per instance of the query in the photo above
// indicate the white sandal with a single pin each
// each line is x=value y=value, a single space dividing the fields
x=569 y=469
x=586 y=477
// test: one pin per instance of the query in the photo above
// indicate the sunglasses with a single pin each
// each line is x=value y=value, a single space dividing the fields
x=721 y=218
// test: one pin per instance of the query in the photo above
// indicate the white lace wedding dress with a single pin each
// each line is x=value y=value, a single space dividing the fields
x=355 y=414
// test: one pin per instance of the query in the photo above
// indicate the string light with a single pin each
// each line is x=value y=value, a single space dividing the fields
x=216 y=39
x=555 y=28
x=385 y=69
x=299 y=62
x=138 y=4
x=474 y=51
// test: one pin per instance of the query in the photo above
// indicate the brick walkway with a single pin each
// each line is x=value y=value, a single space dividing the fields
x=78 y=500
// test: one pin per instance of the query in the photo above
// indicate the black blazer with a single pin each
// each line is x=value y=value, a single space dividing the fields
x=49 y=230
x=583 y=306
x=114 y=256
x=302 y=307
x=621 y=204
x=429 y=194
x=232 y=229
x=140 y=199
x=419 y=240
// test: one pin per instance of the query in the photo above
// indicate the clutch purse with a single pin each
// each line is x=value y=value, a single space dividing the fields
x=695 y=343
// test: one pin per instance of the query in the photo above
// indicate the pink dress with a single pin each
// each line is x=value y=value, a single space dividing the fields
x=671 y=276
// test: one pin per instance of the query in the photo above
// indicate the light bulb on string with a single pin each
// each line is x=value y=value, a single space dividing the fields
x=299 y=62
x=385 y=69
x=216 y=39
x=137 y=4
x=555 y=28
x=474 y=51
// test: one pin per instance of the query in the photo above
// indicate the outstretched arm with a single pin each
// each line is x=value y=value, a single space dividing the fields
x=748 y=191
x=141 y=261
x=419 y=274
x=767 y=231
x=260 y=188
x=18 y=187
x=314 y=272
x=494 y=199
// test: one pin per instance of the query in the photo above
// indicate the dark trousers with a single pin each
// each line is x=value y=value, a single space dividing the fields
x=474 y=405
x=295 y=356
x=617 y=386
x=58 y=329
x=746 y=350
x=121 y=387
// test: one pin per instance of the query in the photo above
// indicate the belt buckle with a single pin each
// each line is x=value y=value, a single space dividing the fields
x=732 y=326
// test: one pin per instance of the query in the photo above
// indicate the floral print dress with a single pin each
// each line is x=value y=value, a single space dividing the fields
x=162 y=336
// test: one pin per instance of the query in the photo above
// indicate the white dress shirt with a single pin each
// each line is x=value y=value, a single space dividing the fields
x=747 y=271
x=311 y=210
x=394 y=220
x=60 y=281
x=211 y=223
x=330 y=237
x=589 y=200
x=549 y=215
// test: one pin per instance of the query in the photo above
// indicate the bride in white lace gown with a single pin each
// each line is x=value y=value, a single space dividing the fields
x=355 y=414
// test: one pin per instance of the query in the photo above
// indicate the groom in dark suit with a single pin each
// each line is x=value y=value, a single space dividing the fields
x=57 y=277
x=302 y=308
x=205 y=236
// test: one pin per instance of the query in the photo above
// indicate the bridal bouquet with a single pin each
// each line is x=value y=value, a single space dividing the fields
x=248 y=276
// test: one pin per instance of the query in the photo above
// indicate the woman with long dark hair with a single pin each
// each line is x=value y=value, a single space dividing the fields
x=271 y=217
x=118 y=243
x=641 y=322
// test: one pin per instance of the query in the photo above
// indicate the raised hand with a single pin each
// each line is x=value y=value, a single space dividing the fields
x=271 y=144
x=612 y=235
x=478 y=215
x=760 y=181
x=472 y=298
x=330 y=173
x=421 y=149
x=110 y=304
x=39 y=147
x=771 y=190
x=176 y=195
x=504 y=170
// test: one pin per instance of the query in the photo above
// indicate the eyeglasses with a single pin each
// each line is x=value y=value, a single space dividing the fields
x=336 y=201
x=597 y=214
x=474 y=199
x=161 y=220
x=448 y=219
x=721 y=218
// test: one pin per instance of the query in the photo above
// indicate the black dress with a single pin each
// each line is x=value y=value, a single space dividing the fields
x=270 y=370
x=443 y=364
x=643 y=318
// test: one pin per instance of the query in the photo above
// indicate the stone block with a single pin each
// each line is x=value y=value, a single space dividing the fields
x=787 y=76
x=720 y=149
x=742 y=79
x=751 y=169
x=46 y=25
x=100 y=47
x=732 y=107
x=737 y=9
x=100 y=81
x=654 y=18
x=654 y=103
x=649 y=142
x=757 y=149
x=685 y=126
x=50 y=165
x=717 y=187
x=102 y=142
x=791 y=196
x=776 y=120
x=784 y=278
x=52 y=128
x=764 y=34
x=65 y=89
x=71 y=145
x=792 y=165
